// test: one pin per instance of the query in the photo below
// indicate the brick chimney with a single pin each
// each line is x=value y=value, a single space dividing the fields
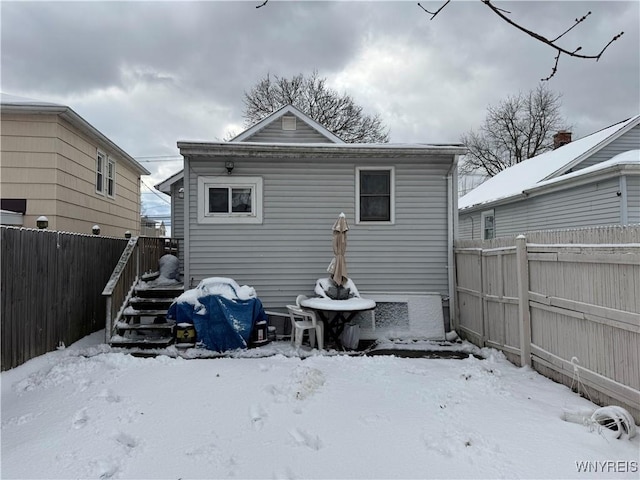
x=561 y=138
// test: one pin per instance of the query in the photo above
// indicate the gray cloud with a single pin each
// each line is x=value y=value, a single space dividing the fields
x=150 y=73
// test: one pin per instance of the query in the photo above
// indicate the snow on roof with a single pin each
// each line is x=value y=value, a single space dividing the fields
x=528 y=174
x=6 y=99
x=630 y=157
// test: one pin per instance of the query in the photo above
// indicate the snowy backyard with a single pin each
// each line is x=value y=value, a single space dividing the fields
x=88 y=411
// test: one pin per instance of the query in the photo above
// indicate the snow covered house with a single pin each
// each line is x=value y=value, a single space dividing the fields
x=588 y=182
x=260 y=209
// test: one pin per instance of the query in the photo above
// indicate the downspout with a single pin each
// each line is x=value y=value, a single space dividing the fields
x=624 y=205
x=452 y=207
x=186 y=184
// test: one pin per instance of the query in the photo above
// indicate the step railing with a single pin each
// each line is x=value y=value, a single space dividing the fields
x=140 y=256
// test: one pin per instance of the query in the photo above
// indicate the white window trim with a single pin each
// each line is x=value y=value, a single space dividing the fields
x=100 y=154
x=110 y=161
x=392 y=215
x=483 y=216
x=255 y=183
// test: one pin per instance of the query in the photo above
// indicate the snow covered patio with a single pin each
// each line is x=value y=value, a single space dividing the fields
x=88 y=411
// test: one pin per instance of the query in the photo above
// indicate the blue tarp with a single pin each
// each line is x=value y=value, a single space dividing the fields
x=221 y=324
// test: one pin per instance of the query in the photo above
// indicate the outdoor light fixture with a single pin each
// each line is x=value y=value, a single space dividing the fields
x=229 y=166
x=42 y=222
x=181 y=192
x=127 y=234
x=96 y=229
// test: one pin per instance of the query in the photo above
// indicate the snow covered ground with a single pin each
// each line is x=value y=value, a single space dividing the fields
x=90 y=412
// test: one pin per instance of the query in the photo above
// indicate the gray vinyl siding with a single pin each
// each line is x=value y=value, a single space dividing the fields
x=628 y=141
x=292 y=248
x=273 y=133
x=177 y=218
x=469 y=226
x=633 y=198
x=583 y=206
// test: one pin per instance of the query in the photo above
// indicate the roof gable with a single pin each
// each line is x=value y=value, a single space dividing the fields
x=514 y=180
x=277 y=115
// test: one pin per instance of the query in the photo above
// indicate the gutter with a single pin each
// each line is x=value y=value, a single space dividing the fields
x=229 y=149
x=452 y=228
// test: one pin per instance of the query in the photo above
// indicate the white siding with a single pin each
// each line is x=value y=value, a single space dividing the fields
x=177 y=218
x=628 y=141
x=273 y=133
x=469 y=226
x=285 y=255
x=584 y=206
x=633 y=198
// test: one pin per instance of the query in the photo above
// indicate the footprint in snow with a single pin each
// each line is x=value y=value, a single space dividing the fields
x=80 y=419
x=105 y=468
x=127 y=441
x=110 y=397
x=257 y=415
x=306 y=439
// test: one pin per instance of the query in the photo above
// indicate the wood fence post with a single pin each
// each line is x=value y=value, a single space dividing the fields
x=523 y=300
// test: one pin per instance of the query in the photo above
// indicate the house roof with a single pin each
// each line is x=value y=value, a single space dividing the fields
x=165 y=186
x=240 y=146
x=297 y=149
x=287 y=109
x=515 y=180
x=14 y=104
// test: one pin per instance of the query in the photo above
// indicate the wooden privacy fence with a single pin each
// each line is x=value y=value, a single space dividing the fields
x=565 y=302
x=51 y=289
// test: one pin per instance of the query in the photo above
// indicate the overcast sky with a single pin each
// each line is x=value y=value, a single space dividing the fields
x=148 y=74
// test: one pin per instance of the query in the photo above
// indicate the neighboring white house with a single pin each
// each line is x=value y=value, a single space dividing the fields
x=588 y=182
x=56 y=164
x=261 y=207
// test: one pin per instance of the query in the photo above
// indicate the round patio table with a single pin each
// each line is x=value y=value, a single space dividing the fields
x=337 y=313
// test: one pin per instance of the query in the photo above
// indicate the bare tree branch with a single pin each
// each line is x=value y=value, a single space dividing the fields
x=433 y=14
x=335 y=111
x=262 y=4
x=520 y=127
x=551 y=43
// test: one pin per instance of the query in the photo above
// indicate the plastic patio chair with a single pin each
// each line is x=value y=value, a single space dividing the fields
x=301 y=320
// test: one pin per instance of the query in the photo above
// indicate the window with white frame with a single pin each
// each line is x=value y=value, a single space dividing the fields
x=100 y=166
x=111 y=178
x=229 y=200
x=488 y=226
x=375 y=191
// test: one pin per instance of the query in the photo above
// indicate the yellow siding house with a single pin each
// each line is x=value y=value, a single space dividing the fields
x=54 y=163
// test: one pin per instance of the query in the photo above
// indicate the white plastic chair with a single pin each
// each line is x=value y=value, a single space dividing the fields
x=301 y=320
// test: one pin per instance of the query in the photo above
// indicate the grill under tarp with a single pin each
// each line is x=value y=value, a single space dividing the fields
x=221 y=323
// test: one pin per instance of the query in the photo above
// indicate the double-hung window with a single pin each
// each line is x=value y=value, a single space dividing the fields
x=111 y=178
x=229 y=200
x=375 y=195
x=101 y=160
x=488 y=225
